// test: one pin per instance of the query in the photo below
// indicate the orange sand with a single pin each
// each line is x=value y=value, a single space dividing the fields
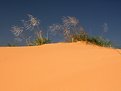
x=60 y=67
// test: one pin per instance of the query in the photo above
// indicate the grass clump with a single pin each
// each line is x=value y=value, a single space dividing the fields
x=40 y=41
x=99 y=41
x=82 y=36
x=30 y=33
x=93 y=40
x=11 y=45
x=73 y=31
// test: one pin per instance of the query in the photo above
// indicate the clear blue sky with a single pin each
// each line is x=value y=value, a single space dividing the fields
x=91 y=13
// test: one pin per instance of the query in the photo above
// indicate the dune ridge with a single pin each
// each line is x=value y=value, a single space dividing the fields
x=60 y=67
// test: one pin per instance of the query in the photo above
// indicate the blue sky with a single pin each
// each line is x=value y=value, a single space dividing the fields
x=91 y=13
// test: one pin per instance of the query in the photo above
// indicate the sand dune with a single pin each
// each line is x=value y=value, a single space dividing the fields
x=60 y=67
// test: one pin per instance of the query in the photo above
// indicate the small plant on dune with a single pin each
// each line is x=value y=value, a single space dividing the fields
x=30 y=33
x=70 y=28
x=99 y=41
x=82 y=36
x=39 y=40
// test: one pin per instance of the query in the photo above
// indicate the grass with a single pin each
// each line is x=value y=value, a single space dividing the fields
x=99 y=41
x=40 y=41
x=71 y=30
x=82 y=36
x=11 y=45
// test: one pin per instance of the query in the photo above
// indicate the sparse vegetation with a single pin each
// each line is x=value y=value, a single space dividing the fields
x=69 y=28
x=30 y=32
x=82 y=36
x=11 y=45
x=99 y=41
x=39 y=41
x=73 y=32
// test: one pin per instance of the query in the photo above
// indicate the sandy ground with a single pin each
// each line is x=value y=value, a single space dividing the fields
x=60 y=67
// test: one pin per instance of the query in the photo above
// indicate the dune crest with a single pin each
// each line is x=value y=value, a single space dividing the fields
x=60 y=67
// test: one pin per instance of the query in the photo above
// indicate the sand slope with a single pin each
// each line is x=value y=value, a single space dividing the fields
x=60 y=67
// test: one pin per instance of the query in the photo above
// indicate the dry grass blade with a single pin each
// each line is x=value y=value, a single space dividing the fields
x=16 y=30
